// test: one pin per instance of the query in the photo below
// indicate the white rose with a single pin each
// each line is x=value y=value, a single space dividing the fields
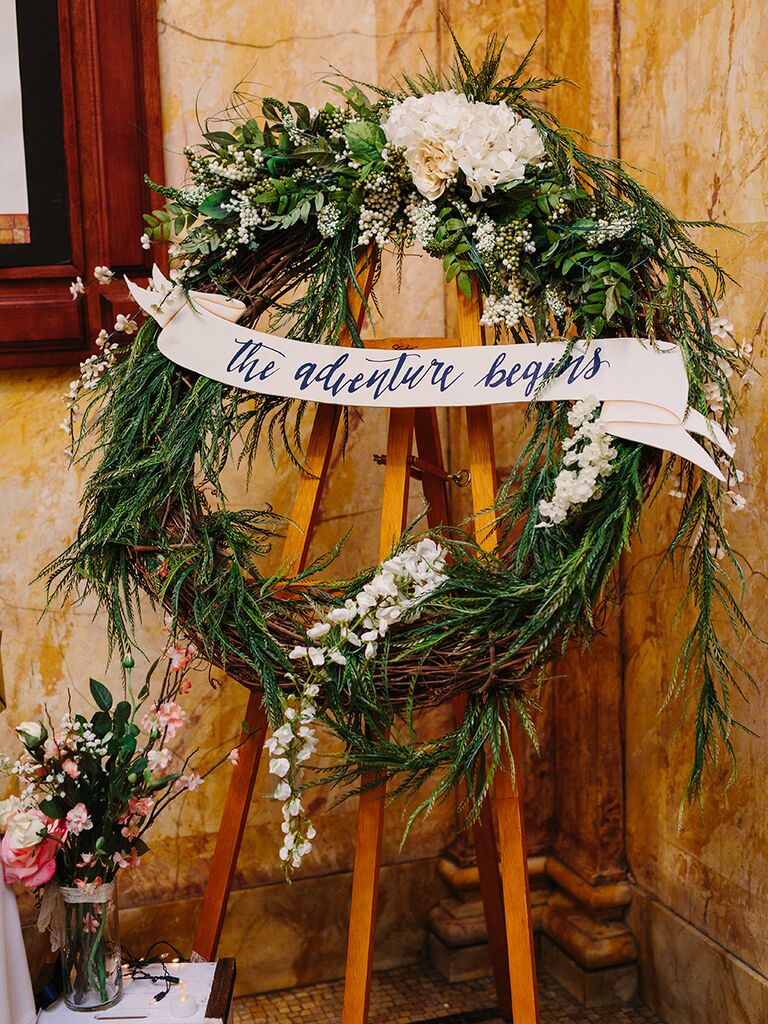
x=35 y=731
x=432 y=168
x=24 y=830
x=8 y=808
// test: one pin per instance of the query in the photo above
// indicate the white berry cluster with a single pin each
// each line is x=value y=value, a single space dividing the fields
x=591 y=455
x=295 y=134
x=329 y=220
x=249 y=217
x=423 y=220
x=244 y=166
x=394 y=594
x=606 y=230
x=379 y=209
x=512 y=240
x=506 y=309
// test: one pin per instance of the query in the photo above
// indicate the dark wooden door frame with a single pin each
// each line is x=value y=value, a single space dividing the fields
x=112 y=127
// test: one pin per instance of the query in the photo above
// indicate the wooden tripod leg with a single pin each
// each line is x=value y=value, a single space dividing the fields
x=430 y=449
x=507 y=876
x=370 y=814
x=239 y=794
x=295 y=550
x=514 y=878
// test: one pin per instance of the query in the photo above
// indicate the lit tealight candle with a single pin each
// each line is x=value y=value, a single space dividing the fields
x=184 y=1005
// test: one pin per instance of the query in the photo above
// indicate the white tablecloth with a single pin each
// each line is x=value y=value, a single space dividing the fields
x=17 y=1005
x=138 y=1000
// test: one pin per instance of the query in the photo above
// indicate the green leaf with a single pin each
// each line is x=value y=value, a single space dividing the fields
x=270 y=110
x=464 y=283
x=101 y=723
x=303 y=118
x=101 y=695
x=121 y=715
x=161 y=783
x=220 y=138
x=211 y=205
x=53 y=807
x=611 y=305
x=366 y=141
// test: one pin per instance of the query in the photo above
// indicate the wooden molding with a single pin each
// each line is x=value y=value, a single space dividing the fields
x=110 y=86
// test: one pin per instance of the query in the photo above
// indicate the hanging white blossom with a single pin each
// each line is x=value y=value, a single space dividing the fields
x=393 y=595
x=591 y=455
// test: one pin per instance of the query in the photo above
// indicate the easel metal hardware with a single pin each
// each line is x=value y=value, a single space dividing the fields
x=503 y=867
x=418 y=467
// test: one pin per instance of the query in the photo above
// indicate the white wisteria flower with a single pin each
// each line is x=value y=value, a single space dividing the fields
x=77 y=288
x=442 y=133
x=126 y=324
x=590 y=453
x=394 y=593
x=145 y=241
x=103 y=274
x=720 y=327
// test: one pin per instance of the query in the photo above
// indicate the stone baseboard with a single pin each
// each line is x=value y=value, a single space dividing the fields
x=687 y=977
x=288 y=935
x=587 y=944
x=605 y=986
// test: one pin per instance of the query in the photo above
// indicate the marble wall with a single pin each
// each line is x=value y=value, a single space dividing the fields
x=679 y=89
x=693 y=113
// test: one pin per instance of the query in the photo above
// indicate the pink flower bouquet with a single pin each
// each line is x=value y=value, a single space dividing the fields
x=90 y=790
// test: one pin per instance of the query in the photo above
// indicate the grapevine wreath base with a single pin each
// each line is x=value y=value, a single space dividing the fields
x=562 y=245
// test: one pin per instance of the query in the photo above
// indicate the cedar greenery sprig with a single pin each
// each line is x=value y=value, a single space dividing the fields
x=272 y=215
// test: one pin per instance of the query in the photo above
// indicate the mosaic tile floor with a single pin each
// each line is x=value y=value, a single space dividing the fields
x=418 y=995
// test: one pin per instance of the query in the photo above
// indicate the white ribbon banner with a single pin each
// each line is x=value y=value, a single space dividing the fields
x=643 y=386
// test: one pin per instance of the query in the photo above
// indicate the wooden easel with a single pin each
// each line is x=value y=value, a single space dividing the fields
x=503 y=871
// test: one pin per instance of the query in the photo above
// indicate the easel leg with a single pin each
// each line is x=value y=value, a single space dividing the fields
x=513 y=860
x=230 y=835
x=492 y=894
x=430 y=449
x=370 y=814
x=513 y=865
x=365 y=894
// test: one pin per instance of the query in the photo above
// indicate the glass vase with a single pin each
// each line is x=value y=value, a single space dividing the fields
x=91 y=949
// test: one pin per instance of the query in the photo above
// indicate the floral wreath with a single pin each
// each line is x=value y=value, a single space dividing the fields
x=562 y=245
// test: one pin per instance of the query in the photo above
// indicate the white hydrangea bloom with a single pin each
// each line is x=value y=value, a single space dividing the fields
x=444 y=132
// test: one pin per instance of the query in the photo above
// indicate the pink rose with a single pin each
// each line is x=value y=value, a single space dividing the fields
x=29 y=847
x=70 y=768
x=50 y=749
